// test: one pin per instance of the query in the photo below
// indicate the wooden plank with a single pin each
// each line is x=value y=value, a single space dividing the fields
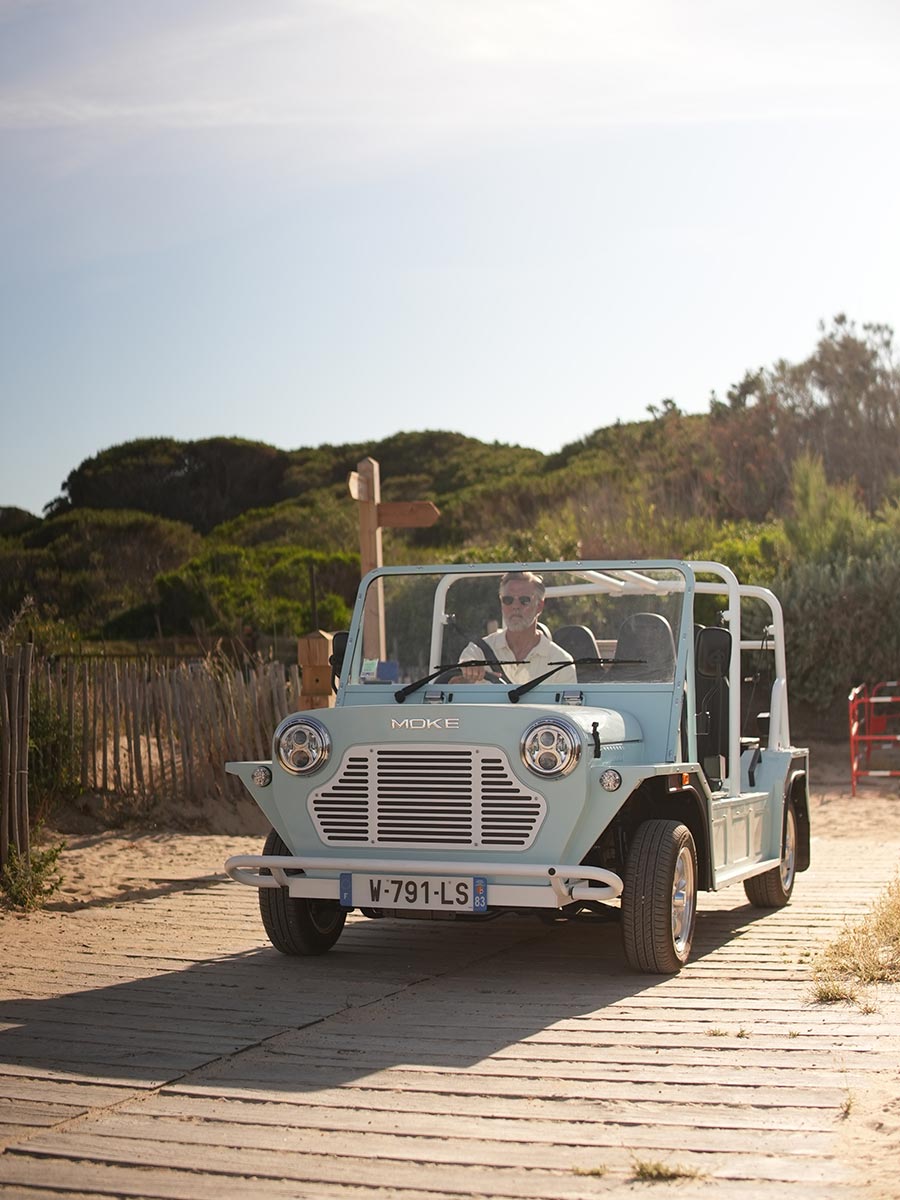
x=350 y=1166
x=415 y=1133
x=25 y=1112
x=64 y=1093
x=53 y=1178
x=603 y=1086
x=453 y=1096
x=54 y=1039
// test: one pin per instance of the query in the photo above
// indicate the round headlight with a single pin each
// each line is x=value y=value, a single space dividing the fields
x=302 y=745
x=551 y=747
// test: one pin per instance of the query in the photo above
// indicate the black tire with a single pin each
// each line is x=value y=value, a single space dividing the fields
x=773 y=888
x=294 y=924
x=659 y=899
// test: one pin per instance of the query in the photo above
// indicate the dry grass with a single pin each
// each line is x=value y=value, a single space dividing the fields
x=833 y=991
x=864 y=953
x=653 y=1171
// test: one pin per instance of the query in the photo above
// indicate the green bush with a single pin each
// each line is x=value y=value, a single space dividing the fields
x=29 y=880
x=262 y=587
x=53 y=763
x=842 y=625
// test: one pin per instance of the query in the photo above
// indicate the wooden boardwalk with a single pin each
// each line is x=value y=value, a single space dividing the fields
x=157 y=1047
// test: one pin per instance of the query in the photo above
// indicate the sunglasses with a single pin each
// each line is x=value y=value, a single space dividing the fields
x=523 y=600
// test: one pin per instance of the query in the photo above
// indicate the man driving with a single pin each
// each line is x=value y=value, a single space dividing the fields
x=523 y=649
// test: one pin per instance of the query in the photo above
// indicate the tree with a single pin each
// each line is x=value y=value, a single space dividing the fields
x=200 y=483
x=87 y=565
x=842 y=405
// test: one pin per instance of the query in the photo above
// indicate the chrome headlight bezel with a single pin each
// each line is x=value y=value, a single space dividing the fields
x=302 y=744
x=551 y=747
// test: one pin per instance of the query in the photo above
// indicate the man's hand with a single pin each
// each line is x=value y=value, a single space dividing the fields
x=473 y=674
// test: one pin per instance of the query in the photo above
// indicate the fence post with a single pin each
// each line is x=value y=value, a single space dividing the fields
x=7 y=733
x=313 y=652
x=15 y=706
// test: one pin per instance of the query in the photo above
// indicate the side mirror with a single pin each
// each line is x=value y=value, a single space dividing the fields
x=712 y=651
x=336 y=658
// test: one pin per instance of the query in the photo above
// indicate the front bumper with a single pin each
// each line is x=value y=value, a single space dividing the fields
x=532 y=885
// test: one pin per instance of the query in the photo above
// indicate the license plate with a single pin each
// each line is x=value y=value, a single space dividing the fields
x=447 y=894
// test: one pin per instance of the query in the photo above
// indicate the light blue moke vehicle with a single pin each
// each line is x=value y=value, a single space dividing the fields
x=662 y=763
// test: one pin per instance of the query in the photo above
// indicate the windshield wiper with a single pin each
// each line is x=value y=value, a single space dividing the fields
x=569 y=662
x=491 y=663
x=401 y=694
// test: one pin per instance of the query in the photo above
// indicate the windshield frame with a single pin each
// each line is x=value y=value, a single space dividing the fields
x=601 y=577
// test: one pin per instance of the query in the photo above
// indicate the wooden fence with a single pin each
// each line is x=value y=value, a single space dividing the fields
x=152 y=736
x=15 y=708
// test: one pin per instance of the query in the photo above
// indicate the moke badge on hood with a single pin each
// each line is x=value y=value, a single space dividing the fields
x=425 y=723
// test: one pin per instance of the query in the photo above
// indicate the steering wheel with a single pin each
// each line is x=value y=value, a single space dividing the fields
x=453 y=676
x=497 y=675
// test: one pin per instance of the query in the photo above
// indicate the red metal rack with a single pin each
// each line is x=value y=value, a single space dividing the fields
x=874 y=724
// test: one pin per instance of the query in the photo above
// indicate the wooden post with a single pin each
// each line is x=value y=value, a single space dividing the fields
x=365 y=486
x=313 y=652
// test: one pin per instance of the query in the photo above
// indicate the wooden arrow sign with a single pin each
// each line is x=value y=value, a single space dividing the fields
x=405 y=514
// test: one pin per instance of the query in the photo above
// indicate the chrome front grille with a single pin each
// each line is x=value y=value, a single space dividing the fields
x=428 y=796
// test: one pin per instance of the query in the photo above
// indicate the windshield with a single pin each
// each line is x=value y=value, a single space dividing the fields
x=603 y=624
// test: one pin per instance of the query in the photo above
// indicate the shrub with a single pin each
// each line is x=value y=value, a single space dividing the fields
x=53 y=767
x=842 y=625
x=29 y=880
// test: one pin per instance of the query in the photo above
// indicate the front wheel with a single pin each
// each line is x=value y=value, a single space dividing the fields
x=297 y=924
x=773 y=888
x=659 y=898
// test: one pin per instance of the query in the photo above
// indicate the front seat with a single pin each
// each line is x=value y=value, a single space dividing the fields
x=581 y=643
x=646 y=640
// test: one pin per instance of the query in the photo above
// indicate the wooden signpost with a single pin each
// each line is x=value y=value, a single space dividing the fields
x=374 y=515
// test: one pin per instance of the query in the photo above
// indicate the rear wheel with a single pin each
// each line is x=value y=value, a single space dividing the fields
x=295 y=924
x=773 y=888
x=659 y=899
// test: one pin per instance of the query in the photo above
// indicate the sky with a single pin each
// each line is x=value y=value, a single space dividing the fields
x=310 y=221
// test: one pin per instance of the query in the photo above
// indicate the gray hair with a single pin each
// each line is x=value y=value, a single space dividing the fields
x=524 y=577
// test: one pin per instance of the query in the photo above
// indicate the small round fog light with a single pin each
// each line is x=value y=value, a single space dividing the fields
x=610 y=780
x=261 y=776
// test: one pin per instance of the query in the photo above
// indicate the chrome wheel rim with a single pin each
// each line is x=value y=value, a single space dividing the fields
x=789 y=857
x=683 y=901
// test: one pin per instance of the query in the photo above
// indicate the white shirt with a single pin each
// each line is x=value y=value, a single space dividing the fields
x=539 y=659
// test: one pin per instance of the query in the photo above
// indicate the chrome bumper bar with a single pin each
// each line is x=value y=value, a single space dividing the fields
x=533 y=885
